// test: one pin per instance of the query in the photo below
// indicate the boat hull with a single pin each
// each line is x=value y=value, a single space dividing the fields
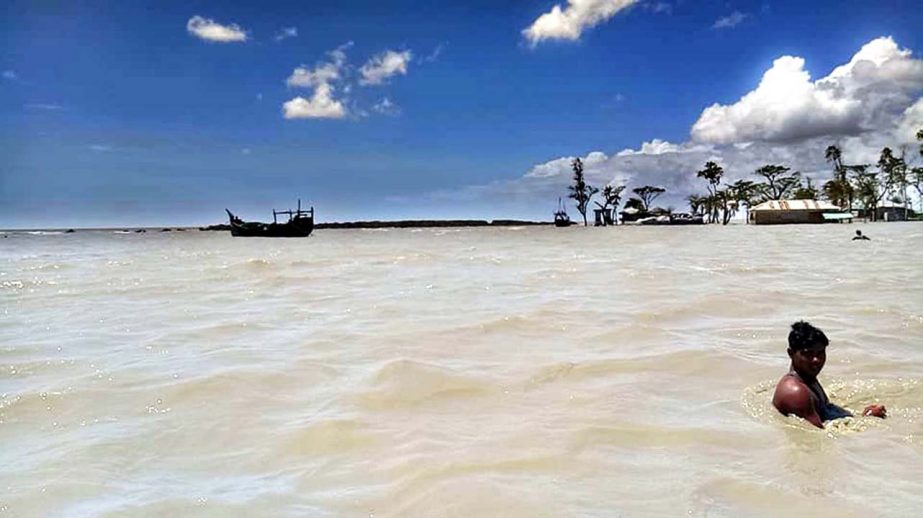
x=297 y=227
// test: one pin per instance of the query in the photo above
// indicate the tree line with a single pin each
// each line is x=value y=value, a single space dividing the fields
x=850 y=184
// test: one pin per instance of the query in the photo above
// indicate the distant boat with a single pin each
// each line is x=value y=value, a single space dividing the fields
x=561 y=219
x=300 y=224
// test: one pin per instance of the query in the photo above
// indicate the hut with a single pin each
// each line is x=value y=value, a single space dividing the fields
x=603 y=217
x=780 y=212
x=888 y=210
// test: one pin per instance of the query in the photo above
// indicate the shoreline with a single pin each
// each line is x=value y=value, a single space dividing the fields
x=365 y=224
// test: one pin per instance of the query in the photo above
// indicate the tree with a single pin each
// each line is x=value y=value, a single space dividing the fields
x=634 y=203
x=780 y=182
x=916 y=174
x=839 y=190
x=805 y=191
x=648 y=194
x=612 y=195
x=712 y=173
x=696 y=202
x=866 y=188
x=581 y=192
x=916 y=180
x=743 y=191
x=894 y=174
x=835 y=156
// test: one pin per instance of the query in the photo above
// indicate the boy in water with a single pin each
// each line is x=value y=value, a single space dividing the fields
x=799 y=392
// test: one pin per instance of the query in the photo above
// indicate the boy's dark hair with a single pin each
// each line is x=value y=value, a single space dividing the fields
x=805 y=336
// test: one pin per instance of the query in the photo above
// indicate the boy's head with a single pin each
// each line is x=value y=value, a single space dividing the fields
x=807 y=347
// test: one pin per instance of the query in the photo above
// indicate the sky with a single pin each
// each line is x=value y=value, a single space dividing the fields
x=164 y=113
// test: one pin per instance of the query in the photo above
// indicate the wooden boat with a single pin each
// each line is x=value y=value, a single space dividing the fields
x=300 y=224
x=561 y=219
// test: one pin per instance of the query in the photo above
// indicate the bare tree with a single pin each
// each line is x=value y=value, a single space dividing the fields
x=580 y=191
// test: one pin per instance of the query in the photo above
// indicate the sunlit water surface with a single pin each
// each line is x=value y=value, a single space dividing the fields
x=456 y=372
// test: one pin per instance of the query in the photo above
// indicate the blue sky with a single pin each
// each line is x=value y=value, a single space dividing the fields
x=139 y=113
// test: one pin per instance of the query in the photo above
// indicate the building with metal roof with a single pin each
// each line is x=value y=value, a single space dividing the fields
x=780 y=212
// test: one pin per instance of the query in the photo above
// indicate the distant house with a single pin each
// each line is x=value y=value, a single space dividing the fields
x=780 y=212
x=888 y=210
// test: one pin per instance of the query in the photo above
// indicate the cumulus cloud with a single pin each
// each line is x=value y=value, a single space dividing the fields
x=862 y=95
x=570 y=22
x=286 y=32
x=322 y=104
x=732 y=20
x=870 y=102
x=383 y=66
x=210 y=30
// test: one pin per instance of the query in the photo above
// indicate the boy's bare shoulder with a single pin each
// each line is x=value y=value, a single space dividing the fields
x=792 y=396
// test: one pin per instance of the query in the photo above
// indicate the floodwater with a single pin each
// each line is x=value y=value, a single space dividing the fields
x=456 y=372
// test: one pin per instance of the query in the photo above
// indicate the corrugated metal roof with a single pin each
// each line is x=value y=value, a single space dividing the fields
x=796 y=205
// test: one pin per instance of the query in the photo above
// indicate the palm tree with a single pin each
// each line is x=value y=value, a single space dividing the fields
x=743 y=191
x=839 y=190
x=612 y=196
x=835 y=156
x=581 y=192
x=696 y=202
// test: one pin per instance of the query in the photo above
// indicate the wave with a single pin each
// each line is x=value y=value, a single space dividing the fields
x=402 y=383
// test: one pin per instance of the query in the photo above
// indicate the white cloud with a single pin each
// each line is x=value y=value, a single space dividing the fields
x=321 y=105
x=323 y=72
x=434 y=55
x=383 y=66
x=387 y=107
x=43 y=106
x=99 y=148
x=570 y=22
x=9 y=74
x=880 y=75
x=862 y=95
x=245 y=151
x=732 y=20
x=286 y=32
x=659 y=7
x=210 y=30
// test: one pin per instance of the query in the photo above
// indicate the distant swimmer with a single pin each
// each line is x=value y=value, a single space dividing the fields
x=799 y=392
x=861 y=237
